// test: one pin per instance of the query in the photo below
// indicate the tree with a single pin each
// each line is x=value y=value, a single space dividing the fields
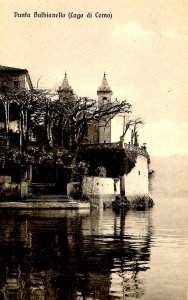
x=6 y=97
x=59 y=125
x=72 y=116
x=133 y=125
x=33 y=107
x=40 y=116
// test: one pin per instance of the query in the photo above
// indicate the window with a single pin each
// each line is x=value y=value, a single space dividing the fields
x=16 y=84
x=138 y=172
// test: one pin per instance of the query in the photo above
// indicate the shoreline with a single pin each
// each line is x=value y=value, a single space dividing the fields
x=44 y=205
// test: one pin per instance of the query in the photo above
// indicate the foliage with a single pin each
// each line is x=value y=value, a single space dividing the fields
x=29 y=108
x=9 y=191
x=58 y=122
x=34 y=155
x=117 y=162
x=101 y=171
x=137 y=203
x=142 y=202
x=57 y=125
x=151 y=174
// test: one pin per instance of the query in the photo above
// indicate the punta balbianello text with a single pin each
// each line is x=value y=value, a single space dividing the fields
x=43 y=14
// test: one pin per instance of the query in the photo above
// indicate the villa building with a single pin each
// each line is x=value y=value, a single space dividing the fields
x=52 y=176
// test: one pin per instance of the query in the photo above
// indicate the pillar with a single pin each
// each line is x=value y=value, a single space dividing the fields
x=23 y=183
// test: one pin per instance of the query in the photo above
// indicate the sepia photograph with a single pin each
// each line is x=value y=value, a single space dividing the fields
x=93 y=149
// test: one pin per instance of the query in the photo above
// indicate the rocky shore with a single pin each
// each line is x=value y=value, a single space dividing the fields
x=138 y=202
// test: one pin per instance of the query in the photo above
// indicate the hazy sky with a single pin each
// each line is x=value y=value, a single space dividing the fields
x=143 y=49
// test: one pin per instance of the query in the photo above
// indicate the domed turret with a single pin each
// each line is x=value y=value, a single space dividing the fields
x=65 y=91
x=104 y=92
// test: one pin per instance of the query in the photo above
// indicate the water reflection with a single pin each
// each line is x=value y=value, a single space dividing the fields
x=121 y=248
x=102 y=255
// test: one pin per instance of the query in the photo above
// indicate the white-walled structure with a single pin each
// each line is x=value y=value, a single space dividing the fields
x=100 y=186
x=136 y=182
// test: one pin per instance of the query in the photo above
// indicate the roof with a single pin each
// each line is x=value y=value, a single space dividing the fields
x=65 y=85
x=5 y=69
x=104 y=87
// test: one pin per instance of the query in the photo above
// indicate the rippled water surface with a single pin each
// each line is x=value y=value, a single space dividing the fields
x=99 y=255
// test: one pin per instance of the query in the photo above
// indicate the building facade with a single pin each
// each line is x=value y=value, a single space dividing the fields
x=15 y=78
x=12 y=79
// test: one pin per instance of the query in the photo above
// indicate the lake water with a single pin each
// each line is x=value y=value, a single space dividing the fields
x=104 y=255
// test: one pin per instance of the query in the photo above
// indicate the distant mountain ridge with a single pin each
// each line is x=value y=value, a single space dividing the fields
x=171 y=178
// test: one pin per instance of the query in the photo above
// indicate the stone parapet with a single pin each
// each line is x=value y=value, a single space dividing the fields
x=139 y=150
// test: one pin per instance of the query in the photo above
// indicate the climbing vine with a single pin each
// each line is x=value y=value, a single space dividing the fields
x=117 y=162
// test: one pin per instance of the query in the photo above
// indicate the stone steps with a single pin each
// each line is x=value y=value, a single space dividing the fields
x=48 y=198
x=42 y=205
x=42 y=189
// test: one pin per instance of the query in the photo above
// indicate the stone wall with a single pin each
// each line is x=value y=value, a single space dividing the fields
x=136 y=184
x=100 y=190
x=100 y=186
